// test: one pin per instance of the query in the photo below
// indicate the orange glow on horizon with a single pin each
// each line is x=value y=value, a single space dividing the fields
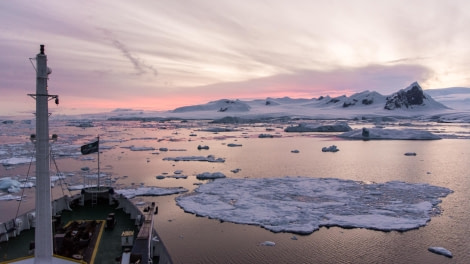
x=79 y=105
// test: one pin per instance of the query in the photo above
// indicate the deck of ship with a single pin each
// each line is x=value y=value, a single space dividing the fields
x=107 y=240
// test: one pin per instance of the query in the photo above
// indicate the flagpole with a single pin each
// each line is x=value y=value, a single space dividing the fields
x=99 y=162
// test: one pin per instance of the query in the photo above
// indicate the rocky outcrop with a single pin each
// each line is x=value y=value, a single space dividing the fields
x=406 y=98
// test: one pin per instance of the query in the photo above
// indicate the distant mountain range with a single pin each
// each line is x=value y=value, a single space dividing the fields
x=410 y=101
x=446 y=105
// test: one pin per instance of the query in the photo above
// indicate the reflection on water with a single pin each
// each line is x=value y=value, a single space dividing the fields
x=192 y=239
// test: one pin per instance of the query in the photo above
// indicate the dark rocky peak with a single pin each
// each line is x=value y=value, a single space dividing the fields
x=406 y=98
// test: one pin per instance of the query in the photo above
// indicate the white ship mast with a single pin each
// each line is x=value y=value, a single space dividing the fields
x=43 y=231
x=43 y=252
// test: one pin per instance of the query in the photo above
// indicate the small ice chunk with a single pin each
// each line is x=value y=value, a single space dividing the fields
x=331 y=148
x=268 y=243
x=133 y=148
x=208 y=175
x=441 y=251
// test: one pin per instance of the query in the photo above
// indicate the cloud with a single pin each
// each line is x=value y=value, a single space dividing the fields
x=186 y=51
x=139 y=65
x=312 y=83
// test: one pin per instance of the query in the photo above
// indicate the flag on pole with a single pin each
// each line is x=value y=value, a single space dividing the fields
x=90 y=148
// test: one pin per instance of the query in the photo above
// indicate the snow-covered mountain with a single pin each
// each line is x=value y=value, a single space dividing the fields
x=447 y=105
x=457 y=98
x=411 y=101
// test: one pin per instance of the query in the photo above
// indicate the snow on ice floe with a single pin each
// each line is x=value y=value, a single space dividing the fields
x=332 y=148
x=133 y=148
x=303 y=205
x=379 y=133
x=150 y=191
x=441 y=251
x=209 y=175
x=11 y=185
x=16 y=161
x=9 y=197
x=338 y=127
x=209 y=158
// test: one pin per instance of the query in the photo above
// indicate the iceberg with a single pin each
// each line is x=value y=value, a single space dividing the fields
x=302 y=205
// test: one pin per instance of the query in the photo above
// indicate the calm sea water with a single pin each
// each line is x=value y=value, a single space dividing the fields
x=192 y=239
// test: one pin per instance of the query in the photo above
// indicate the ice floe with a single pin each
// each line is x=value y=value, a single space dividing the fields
x=268 y=243
x=149 y=191
x=441 y=251
x=331 y=148
x=209 y=158
x=209 y=175
x=338 y=127
x=9 y=197
x=16 y=161
x=303 y=205
x=379 y=133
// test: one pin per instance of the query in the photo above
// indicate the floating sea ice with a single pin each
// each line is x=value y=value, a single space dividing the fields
x=179 y=176
x=142 y=148
x=9 y=197
x=441 y=251
x=331 y=148
x=9 y=184
x=379 y=133
x=265 y=136
x=302 y=205
x=268 y=243
x=202 y=147
x=149 y=191
x=16 y=161
x=209 y=158
x=208 y=175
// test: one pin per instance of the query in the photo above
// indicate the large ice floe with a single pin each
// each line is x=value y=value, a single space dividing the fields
x=302 y=205
x=209 y=158
x=150 y=191
x=338 y=127
x=380 y=133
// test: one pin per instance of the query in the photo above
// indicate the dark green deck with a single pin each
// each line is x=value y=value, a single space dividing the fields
x=109 y=248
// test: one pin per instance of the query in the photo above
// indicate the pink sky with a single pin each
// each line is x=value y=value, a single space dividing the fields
x=159 y=55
